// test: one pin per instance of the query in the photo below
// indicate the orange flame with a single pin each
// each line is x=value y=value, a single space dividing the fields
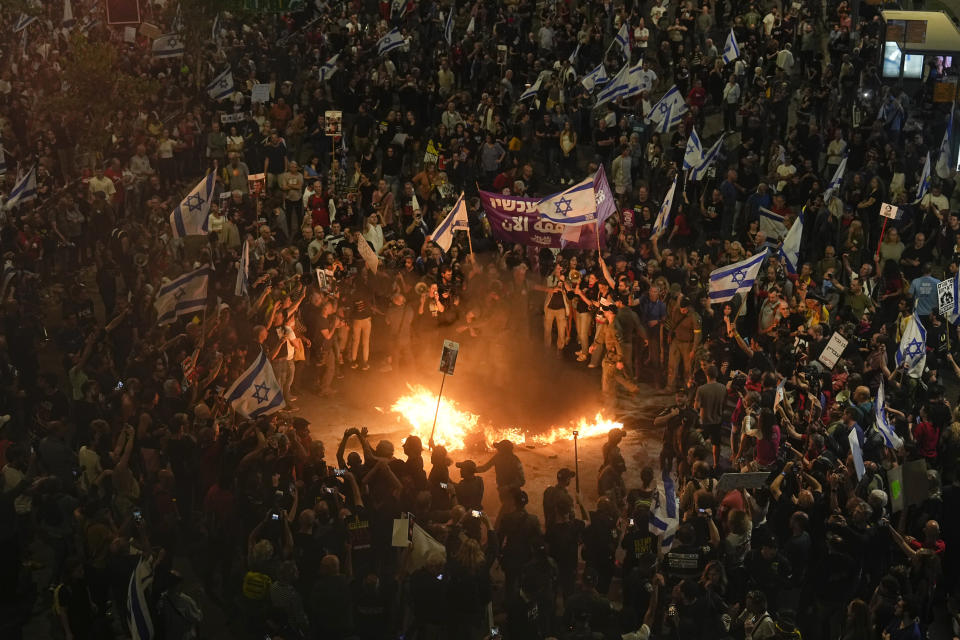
x=456 y=426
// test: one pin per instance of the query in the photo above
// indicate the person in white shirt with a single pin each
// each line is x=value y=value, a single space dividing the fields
x=785 y=60
x=641 y=35
x=769 y=21
x=835 y=152
x=731 y=102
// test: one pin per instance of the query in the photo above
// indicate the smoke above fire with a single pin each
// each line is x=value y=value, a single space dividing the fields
x=458 y=428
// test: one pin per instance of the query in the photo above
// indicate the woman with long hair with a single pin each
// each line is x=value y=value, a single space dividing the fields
x=857 y=624
x=767 y=435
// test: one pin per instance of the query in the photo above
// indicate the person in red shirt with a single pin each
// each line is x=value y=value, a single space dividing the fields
x=931 y=540
x=697 y=96
x=926 y=435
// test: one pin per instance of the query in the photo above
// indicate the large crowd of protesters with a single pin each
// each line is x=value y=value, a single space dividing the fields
x=123 y=462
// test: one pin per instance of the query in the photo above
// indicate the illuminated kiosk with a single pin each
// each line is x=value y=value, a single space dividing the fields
x=920 y=47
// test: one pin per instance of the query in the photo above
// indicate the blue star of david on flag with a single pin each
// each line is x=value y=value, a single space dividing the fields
x=914 y=348
x=738 y=276
x=180 y=293
x=563 y=205
x=195 y=202
x=256 y=392
x=260 y=392
x=912 y=352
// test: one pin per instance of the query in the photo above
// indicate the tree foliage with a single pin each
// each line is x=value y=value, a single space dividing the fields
x=97 y=87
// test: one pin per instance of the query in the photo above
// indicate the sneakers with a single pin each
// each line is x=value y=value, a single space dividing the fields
x=581 y=357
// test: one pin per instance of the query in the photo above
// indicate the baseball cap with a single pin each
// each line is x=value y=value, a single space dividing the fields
x=467 y=465
x=566 y=473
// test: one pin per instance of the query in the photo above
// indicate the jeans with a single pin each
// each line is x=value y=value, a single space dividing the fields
x=360 y=331
x=583 y=324
x=284 y=370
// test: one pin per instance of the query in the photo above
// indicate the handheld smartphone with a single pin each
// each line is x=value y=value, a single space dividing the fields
x=631 y=522
x=274 y=516
x=330 y=490
x=494 y=632
x=475 y=513
x=138 y=516
x=339 y=472
x=439 y=576
x=119 y=386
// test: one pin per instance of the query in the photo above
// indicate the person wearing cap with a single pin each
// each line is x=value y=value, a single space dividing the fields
x=613 y=360
x=684 y=330
x=469 y=490
x=553 y=497
x=506 y=464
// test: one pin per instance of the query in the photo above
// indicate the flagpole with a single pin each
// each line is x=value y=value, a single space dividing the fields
x=882 y=231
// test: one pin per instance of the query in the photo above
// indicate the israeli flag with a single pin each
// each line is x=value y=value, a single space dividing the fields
x=790 y=249
x=663 y=217
x=731 y=50
x=329 y=68
x=222 y=86
x=573 y=56
x=912 y=352
x=623 y=39
x=772 y=224
x=256 y=392
x=595 y=77
x=455 y=221
x=168 y=46
x=23 y=22
x=68 y=20
x=890 y=437
x=924 y=185
x=398 y=8
x=732 y=279
x=573 y=206
x=25 y=189
x=139 y=597
x=389 y=42
x=668 y=111
x=693 y=155
x=531 y=90
x=242 y=285
x=665 y=512
x=708 y=159
x=836 y=181
x=943 y=161
x=628 y=82
x=191 y=215
x=448 y=27
x=182 y=297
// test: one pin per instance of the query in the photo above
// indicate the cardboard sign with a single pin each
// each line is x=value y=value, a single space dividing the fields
x=130 y=34
x=150 y=30
x=895 y=480
x=260 y=93
x=945 y=296
x=887 y=210
x=751 y=480
x=229 y=118
x=448 y=359
x=833 y=350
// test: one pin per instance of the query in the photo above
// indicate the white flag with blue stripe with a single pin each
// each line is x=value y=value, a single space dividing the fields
x=623 y=39
x=790 y=249
x=628 y=82
x=448 y=27
x=836 y=181
x=924 y=186
x=139 y=618
x=699 y=171
x=663 y=217
x=191 y=216
x=596 y=77
x=455 y=221
x=573 y=56
x=329 y=68
x=532 y=90
x=574 y=206
x=183 y=296
x=222 y=86
x=665 y=512
x=389 y=42
x=773 y=225
x=168 y=46
x=693 y=154
x=25 y=189
x=731 y=50
x=23 y=22
x=890 y=437
x=943 y=161
x=668 y=111
x=68 y=20
x=912 y=352
x=256 y=392
x=735 y=278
